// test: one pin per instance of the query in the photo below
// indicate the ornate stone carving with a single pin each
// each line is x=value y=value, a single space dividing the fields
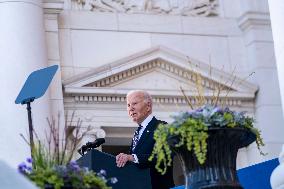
x=173 y=7
x=160 y=71
x=228 y=101
x=157 y=64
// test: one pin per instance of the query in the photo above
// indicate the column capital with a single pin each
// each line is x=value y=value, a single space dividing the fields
x=53 y=6
x=35 y=2
x=251 y=20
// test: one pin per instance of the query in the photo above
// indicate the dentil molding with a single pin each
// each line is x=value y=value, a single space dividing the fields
x=166 y=70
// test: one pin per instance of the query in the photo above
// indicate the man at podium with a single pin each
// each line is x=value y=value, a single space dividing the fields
x=139 y=107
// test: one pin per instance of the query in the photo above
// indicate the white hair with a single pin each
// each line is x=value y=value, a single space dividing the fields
x=147 y=96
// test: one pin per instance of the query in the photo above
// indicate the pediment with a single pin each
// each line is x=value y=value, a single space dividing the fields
x=162 y=72
x=154 y=79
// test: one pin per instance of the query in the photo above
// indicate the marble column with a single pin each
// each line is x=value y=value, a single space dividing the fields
x=256 y=26
x=22 y=50
x=276 y=8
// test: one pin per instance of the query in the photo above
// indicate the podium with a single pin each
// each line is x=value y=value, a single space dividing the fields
x=129 y=176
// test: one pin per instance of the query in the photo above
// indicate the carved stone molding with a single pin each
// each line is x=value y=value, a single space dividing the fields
x=53 y=6
x=162 y=61
x=158 y=64
x=172 y=7
x=161 y=71
x=251 y=20
x=228 y=101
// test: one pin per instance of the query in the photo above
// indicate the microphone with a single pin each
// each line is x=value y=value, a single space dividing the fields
x=96 y=143
x=91 y=145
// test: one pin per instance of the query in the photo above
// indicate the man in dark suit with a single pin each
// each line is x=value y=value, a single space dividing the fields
x=139 y=107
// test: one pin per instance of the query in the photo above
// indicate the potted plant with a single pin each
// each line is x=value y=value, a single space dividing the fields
x=51 y=165
x=69 y=176
x=206 y=140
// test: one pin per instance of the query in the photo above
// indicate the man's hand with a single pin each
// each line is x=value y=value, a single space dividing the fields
x=122 y=158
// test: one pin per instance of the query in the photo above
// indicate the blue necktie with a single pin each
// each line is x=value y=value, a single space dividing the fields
x=136 y=137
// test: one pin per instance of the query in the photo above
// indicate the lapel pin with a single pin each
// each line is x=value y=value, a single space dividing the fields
x=147 y=131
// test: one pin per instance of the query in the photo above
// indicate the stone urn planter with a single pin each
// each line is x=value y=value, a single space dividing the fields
x=66 y=186
x=219 y=169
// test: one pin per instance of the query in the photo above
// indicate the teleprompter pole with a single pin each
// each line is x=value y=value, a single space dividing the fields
x=31 y=130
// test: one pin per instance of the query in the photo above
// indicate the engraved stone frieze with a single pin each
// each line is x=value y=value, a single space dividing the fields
x=172 y=7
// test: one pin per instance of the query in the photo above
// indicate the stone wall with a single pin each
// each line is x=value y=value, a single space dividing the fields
x=232 y=36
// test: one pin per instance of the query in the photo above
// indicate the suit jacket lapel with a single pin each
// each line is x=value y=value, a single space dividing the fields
x=150 y=128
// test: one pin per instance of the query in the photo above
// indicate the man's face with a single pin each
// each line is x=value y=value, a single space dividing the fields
x=137 y=108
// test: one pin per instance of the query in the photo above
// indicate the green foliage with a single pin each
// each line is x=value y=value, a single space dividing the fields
x=65 y=175
x=191 y=129
x=41 y=158
x=162 y=151
x=46 y=176
x=45 y=170
x=192 y=133
x=91 y=180
x=248 y=123
x=51 y=160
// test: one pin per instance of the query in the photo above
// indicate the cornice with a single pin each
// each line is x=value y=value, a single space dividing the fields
x=157 y=64
x=175 y=97
x=53 y=6
x=254 y=19
x=105 y=92
x=163 y=58
x=102 y=85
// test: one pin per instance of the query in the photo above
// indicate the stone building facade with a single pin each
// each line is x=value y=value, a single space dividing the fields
x=107 y=47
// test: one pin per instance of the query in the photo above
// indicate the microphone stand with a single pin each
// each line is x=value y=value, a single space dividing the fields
x=89 y=146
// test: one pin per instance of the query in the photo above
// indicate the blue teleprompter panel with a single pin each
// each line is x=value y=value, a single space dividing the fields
x=36 y=84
